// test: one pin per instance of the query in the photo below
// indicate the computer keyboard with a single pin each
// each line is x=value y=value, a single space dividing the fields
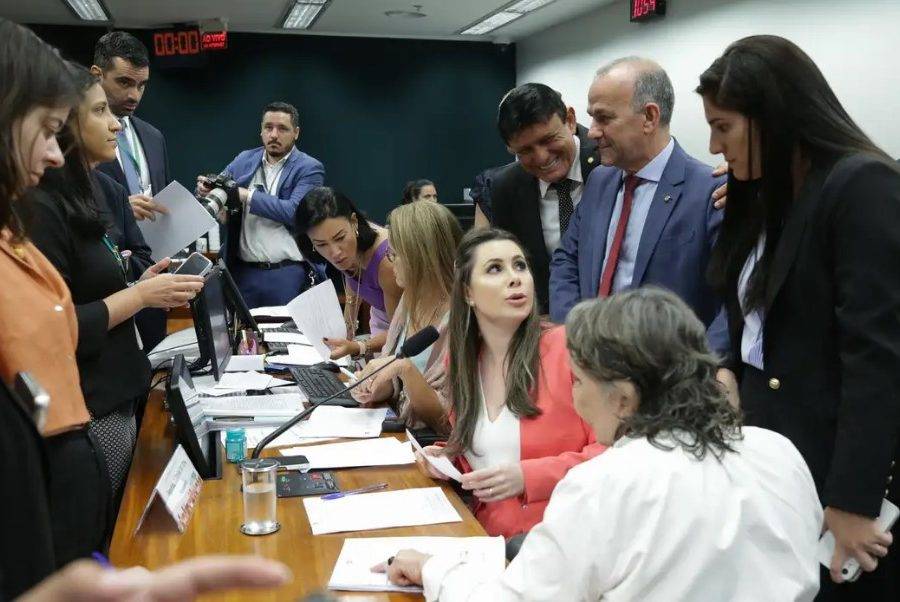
x=288 y=326
x=280 y=348
x=318 y=384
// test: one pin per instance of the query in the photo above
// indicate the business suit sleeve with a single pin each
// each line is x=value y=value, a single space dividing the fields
x=865 y=228
x=53 y=237
x=717 y=332
x=266 y=205
x=564 y=276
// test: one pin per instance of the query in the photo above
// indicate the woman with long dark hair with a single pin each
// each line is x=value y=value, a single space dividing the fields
x=328 y=225
x=808 y=260
x=685 y=505
x=69 y=226
x=515 y=432
x=419 y=190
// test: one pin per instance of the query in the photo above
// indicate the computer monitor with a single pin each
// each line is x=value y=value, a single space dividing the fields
x=211 y=324
x=240 y=314
x=191 y=429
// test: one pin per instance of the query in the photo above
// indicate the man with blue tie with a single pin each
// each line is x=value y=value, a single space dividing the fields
x=259 y=247
x=646 y=215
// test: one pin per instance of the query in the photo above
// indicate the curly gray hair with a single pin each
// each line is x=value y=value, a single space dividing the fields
x=652 y=339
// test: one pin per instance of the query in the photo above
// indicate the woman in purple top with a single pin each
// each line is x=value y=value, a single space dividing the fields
x=328 y=224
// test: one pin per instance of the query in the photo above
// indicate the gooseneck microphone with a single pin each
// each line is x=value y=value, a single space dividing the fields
x=413 y=346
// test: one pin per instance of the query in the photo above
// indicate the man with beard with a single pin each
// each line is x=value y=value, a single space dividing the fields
x=259 y=247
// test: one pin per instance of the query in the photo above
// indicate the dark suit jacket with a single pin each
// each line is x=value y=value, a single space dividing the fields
x=516 y=207
x=301 y=174
x=154 y=145
x=113 y=369
x=831 y=332
x=675 y=245
x=124 y=231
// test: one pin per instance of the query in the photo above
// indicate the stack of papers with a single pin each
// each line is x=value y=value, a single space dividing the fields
x=353 y=569
x=386 y=451
x=381 y=510
x=253 y=405
x=237 y=382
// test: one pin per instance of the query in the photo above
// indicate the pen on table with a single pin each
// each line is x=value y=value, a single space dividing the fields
x=348 y=374
x=101 y=560
x=340 y=494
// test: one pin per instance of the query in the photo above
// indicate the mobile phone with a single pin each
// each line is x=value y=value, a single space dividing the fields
x=851 y=569
x=35 y=398
x=195 y=265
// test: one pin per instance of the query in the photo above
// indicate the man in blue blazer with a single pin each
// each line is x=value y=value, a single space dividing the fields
x=259 y=246
x=669 y=224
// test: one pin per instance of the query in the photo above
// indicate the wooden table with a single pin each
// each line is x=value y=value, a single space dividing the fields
x=218 y=515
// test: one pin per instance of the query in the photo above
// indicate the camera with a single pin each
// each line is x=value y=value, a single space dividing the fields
x=223 y=196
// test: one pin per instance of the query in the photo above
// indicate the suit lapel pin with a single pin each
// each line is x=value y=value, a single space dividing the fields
x=667 y=198
x=590 y=159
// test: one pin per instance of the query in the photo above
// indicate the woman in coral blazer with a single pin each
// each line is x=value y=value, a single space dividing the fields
x=515 y=431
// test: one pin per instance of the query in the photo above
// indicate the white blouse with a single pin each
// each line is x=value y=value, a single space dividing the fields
x=642 y=523
x=494 y=443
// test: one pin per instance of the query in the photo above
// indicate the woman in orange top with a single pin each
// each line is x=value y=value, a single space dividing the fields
x=515 y=430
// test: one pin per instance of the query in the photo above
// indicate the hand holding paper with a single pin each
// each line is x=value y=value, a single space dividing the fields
x=438 y=467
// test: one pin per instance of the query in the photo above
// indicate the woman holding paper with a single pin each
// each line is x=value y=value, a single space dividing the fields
x=71 y=228
x=685 y=505
x=423 y=241
x=515 y=431
x=328 y=225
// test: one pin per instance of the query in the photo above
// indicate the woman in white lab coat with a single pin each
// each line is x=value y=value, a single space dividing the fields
x=685 y=505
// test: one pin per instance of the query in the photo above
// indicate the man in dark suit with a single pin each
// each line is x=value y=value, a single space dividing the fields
x=535 y=196
x=122 y=63
x=259 y=248
x=646 y=216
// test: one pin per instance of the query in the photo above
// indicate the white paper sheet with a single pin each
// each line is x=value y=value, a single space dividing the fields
x=253 y=405
x=186 y=221
x=336 y=421
x=244 y=381
x=302 y=355
x=275 y=311
x=244 y=363
x=385 y=451
x=256 y=434
x=440 y=463
x=286 y=337
x=353 y=569
x=317 y=314
x=267 y=325
x=381 y=510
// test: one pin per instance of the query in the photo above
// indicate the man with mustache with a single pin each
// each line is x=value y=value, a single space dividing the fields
x=646 y=216
x=259 y=248
x=535 y=196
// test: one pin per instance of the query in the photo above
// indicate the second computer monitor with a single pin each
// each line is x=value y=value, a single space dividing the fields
x=211 y=324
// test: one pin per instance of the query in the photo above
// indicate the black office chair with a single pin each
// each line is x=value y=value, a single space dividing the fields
x=514 y=544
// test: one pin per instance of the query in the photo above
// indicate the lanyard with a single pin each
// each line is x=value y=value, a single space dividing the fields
x=130 y=152
x=262 y=166
x=115 y=252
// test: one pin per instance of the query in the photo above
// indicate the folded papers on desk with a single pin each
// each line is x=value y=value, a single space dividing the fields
x=386 y=451
x=353 y=569
x=381 y=510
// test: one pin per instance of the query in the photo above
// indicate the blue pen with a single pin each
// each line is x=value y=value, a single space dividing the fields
x=101 y=560
x=340 y=494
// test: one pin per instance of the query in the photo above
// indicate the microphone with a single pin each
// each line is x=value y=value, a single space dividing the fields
x=412 y=346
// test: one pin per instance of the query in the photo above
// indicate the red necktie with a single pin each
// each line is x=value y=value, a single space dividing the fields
x=609 y=272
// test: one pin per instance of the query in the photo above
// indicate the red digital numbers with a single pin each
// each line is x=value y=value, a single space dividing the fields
x=642 y=8
x=176 y=43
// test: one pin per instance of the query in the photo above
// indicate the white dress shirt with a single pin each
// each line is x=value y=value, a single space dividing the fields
x=264 y=239
x=140 y=158
x=650 y=176
x=550 y=200
x=641 y=523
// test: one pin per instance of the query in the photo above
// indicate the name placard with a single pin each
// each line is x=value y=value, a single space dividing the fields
x=175 y=493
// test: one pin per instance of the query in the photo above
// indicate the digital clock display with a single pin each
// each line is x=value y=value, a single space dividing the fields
x=642 y=10
x=187 y=42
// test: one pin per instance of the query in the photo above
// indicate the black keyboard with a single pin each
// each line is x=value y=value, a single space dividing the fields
x=280 y=348
x=318 y=384
x=288 y=326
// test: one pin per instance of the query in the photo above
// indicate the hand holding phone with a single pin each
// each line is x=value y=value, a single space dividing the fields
x=195 y=265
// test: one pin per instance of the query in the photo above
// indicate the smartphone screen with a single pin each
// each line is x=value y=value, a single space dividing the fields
x=195 y=265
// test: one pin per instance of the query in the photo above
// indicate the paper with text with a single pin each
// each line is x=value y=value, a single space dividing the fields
x=317 y=314
x=353 y=569
x=385 y=451
x=381 y=510
x=244 y=363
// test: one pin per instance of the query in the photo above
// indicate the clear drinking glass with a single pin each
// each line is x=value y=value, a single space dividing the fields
x=259 y=496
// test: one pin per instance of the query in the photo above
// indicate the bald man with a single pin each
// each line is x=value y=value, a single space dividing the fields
x=645 y=216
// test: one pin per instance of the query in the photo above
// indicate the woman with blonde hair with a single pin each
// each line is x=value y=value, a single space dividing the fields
x=423 y=240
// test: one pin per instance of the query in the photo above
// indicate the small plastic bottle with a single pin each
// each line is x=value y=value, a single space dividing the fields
x=235 y=445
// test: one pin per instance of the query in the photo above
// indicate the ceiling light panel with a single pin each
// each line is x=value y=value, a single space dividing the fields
x=491 y=23
x=88 y=10
x=303 y=14
x=526 y=6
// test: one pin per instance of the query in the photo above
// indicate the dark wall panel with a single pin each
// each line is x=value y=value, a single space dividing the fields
x=376 y=112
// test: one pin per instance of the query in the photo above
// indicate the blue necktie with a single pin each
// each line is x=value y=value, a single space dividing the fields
x=131 y=175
